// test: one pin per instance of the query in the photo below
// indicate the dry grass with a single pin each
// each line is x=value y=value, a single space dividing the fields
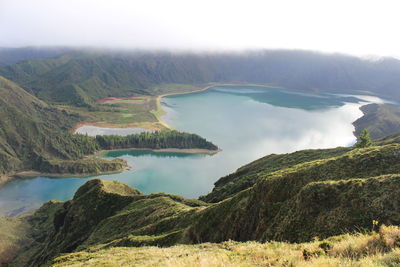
x=374 y=249
x=358 y=246
x=13 y=236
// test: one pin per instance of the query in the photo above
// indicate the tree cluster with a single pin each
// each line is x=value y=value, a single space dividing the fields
x=155 y=140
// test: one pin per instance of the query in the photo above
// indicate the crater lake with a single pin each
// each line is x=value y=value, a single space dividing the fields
x=246 y=122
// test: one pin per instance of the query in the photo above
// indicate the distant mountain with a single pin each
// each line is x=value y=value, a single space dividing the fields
x=81 y=77
x=14 y=55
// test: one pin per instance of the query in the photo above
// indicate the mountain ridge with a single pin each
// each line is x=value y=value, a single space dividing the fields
x=99 y=74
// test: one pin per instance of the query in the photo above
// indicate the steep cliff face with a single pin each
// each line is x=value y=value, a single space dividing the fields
x=319 y=198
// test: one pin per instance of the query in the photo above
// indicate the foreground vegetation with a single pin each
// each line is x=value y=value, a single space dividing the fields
x=299 y=197
x=372 y=249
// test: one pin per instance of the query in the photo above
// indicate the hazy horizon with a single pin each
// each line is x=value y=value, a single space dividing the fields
x=360 y=28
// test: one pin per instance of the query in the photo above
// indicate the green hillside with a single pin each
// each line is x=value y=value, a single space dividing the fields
x=81 y=77
x=36 y=136
x=248 y=175
x=296 y=197
x=31 y=130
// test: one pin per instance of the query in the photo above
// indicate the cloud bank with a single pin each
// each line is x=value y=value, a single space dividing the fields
x=355 y=27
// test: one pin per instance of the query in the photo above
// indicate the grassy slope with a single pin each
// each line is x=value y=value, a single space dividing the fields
x=381 y=120
x=320 y=198
x=13 y=236
x=263 y=212
x=248 y=175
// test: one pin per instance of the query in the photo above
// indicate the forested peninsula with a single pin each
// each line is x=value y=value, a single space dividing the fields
x=90 y=165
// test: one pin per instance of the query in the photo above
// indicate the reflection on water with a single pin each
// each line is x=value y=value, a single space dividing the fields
x=246 y=125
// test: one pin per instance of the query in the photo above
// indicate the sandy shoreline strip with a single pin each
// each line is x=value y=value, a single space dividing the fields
x=162 y=112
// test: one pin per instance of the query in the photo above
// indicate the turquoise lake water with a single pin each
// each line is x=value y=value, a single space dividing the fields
x=246 y=122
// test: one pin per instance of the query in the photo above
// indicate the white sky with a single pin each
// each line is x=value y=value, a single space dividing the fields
x=361 y=27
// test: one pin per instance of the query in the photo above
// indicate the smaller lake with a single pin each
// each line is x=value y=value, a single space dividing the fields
x=246 y=122
x=95 y=130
